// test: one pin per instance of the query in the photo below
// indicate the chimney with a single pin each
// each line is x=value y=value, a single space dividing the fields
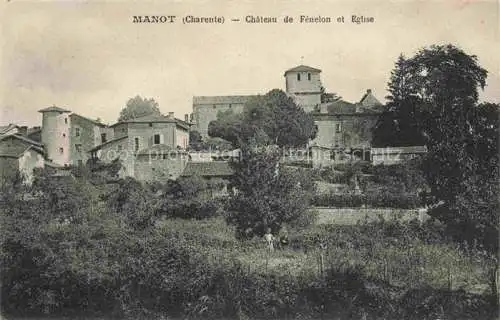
x=23 y=130
x=186 y=117
x=323 y=108
x=191 y=117
x=171 y=115
x=369 y=91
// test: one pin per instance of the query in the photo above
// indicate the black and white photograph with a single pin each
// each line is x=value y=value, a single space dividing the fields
x=249 y=160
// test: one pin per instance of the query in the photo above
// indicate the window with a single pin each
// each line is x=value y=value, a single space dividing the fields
x=78 y=147
x=66 y=120
x=61 y=150
x=64 y=135
x=119 y=147
x=77 y=132
x=230 y=106
x=150 y=124
x=156 y=139
x=103 y=138
x=136 y=141
x=298 y=76
x=215 y=106
x=309 y=76
x=338 y=127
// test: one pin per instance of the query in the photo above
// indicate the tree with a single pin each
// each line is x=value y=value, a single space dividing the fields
x=328 y=97
x=195 y=140
x=274 y=117
x=400 y=123
x=139 y=107
x=134 y=202
x=268 y=196
x=461 y=166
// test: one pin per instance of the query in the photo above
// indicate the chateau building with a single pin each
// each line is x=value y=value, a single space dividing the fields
x=206 y=108
x=340 y=123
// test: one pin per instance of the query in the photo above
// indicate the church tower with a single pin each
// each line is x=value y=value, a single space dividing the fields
x=303 y=83
x=55 y=134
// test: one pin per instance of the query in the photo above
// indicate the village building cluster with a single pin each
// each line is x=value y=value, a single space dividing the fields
x=155 y=147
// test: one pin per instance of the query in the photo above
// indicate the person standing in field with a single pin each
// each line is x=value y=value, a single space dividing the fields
x=269 y=238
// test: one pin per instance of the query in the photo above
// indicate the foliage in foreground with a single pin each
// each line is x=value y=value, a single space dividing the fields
x=199 y=270
x=268 y=195
x=434 y=100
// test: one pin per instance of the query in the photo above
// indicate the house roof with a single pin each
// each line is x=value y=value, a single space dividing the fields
x=211 y=100
x=208 y=169
x=35 y=135
x=302 y=68
x=53 y=109
x=6 y=129
x=106 y=143
x=88 y=119
x=369 y=99
x=341 y=107
x=155 y=118
x=16 y=150
x=22 y=138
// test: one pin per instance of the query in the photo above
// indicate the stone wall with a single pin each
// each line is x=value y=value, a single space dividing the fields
x=159 y=167
x=349 y=216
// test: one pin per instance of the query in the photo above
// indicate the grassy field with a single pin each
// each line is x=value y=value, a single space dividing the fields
x=409 y=264
x=373 y=270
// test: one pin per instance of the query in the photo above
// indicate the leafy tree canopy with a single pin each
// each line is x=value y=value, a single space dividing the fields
x=268 y=195
x=139 y=107
x=434 y=98
x=273 y=118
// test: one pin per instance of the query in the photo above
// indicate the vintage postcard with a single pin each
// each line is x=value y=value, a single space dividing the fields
x=249 y=159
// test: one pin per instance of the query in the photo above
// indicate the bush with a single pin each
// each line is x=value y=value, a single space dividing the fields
x=192 y=209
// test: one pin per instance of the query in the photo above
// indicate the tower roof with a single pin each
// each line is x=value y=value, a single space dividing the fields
x=53 y=109
x=303 y=68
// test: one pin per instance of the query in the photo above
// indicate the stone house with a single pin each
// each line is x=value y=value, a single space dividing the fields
x=67 y=136
x=19 y=154
x=346 y=125
x=137 y=141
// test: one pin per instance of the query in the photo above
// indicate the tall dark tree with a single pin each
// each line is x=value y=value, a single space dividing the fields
x=229 y=126
x=139 y=107
x=401 y=122
x=462 y=138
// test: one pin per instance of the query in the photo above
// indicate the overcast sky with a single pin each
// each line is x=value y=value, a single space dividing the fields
x=90 y=58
